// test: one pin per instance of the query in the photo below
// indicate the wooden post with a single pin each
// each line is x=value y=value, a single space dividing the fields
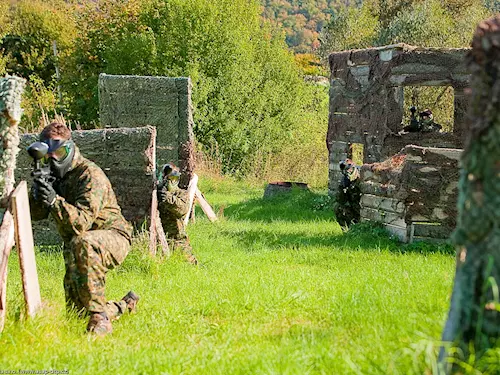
x=25 y=248
x=161 y=236
x=192 y=215
x=207 y=209
x=6 y=244
x=191 y=192
x=156 y=233
x=153 y=225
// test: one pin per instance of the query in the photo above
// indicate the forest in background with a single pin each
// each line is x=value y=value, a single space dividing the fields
x=303 y=21
x=255 y=114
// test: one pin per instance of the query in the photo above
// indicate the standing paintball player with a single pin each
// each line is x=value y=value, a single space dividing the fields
x=96 y=236
x=173 y=205
x=347 y=206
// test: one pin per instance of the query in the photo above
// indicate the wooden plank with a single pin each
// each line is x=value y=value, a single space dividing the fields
x=161 y=236
x=154 y=215
x=191 y=192
x=192 y=215
x=205 y=206
x=6 y=244
x=26 y=248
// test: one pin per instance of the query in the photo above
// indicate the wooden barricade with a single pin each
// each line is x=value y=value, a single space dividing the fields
x=16 y=228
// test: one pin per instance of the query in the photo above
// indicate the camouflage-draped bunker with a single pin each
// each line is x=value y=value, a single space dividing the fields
x=366 y=112
x=126 y=155
x=162 y=102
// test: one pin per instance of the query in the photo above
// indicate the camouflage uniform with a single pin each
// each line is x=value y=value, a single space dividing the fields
x=347 y=206
x=173 y=207
x=96 y=236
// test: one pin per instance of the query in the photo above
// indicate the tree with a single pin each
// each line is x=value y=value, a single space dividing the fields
x=473 y=324
x=350 y=27
x=248 y=92
x=27 y=35
x=425 y=23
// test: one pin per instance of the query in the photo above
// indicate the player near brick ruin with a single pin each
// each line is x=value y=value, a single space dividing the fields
x=347 y=206
x=80 y=199
x=425 y=124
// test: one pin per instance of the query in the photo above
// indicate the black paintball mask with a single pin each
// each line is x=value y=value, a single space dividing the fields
x=59 y=156
x=170 y=176
x=350 y=171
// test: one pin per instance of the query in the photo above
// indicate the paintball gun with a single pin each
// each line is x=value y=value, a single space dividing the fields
x=38 y=150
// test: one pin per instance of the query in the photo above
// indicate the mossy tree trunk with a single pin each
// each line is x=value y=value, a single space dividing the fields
x=473 y=323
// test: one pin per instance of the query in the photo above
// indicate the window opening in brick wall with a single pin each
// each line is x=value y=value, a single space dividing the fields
x=439 y=99
x=356 y=153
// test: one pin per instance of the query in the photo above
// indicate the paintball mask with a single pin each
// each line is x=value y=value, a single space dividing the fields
x=59 y=156
x=170 y=176
x=349 y=169
x=426 y=117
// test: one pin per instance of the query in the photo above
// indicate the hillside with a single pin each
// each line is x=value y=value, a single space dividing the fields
x=302 y=20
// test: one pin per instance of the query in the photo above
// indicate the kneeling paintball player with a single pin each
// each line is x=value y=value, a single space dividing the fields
x=425 y=124
x=79 y=197
x=173 y=206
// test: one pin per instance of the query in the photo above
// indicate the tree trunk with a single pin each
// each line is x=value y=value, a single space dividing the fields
x=473 y=323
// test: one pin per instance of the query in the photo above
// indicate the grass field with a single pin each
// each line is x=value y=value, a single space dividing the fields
x=281 y=290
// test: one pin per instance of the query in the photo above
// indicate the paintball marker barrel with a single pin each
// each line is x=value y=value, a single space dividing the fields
x=38 y=150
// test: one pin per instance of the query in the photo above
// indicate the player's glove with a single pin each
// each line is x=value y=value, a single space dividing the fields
x=44 y=192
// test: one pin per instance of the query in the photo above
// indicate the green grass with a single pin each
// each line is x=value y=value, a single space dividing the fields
x=282 y=290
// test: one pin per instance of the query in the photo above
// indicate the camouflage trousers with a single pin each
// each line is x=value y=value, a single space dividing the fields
x=185 y=247
x=87 y=259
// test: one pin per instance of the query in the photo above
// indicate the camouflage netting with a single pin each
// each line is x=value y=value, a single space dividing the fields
x=474 y=316
x=162 y=102
x=367 y=99
x=11 y=89
x=126 y=155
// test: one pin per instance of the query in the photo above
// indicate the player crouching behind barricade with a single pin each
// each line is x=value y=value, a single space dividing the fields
x=79 y=197
x=173 y=206
x=347 y=205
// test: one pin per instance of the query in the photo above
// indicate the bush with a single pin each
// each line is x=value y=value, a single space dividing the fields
x=250 y=99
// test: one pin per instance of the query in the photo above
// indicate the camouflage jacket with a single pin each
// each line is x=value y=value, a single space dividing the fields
x=173 y=209
x=85 y=201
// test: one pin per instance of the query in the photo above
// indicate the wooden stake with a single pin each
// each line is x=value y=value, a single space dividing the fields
x=153 y=225
x=26 y=248
x=192 y=216
x=161 y=236
x=191 y=192
x=6 y=244
x=156 y=233
x=207 y=209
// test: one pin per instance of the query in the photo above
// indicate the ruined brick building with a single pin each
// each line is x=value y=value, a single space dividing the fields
x=413 y=193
